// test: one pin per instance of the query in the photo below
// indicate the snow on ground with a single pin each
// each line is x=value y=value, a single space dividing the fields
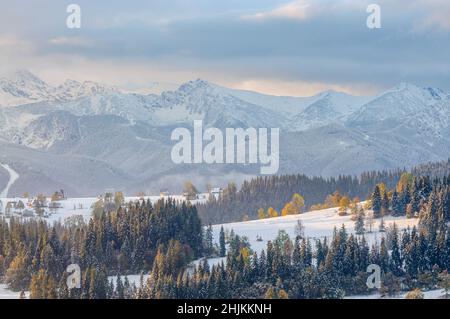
x=132 y=279
x=73 y=206
x=5 y=293
x=83 y=206
x=136 y=278
x=431 y=294
x=211 y=262
x=13 y=176
x=317 y=224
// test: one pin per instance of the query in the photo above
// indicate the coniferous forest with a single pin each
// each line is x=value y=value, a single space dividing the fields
x=276 y=191
x=33 y=255
x=418 y=257
x=160 y=240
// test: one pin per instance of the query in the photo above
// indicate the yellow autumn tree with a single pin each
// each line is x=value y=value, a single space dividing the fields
x=262 y=213
x=344 y=203
x=382 y=188
x=245 y=253
x=282 y=294
x=272 y=212
x=295 y=206
x=298 y=202
x=406 y=179
x=333 y=200
x=270 y=293
x=288 y=209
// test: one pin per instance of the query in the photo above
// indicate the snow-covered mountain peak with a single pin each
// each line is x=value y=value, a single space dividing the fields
x=328 y=133
x=26 y=78
x=88 y=88
x=328 y=94
x=425 y=110
x=72 y=89
x=405 y=86
x=22 y=87
x=409 y=90
x=196 y=85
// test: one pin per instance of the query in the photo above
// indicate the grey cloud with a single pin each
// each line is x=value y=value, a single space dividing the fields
x=333 y=46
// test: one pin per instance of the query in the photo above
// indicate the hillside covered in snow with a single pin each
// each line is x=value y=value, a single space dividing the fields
x=85 y=137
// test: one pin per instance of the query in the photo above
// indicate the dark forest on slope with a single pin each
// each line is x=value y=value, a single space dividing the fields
x=162 y=239
x=276 y=191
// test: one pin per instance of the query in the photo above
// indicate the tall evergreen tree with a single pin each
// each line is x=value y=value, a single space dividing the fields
x=376 y=202
x=359 y=224
x=222 y=248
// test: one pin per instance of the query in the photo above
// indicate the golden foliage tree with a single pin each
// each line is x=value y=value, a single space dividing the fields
x=262 y=213
x=272 y=212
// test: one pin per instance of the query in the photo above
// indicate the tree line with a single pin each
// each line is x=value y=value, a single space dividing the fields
x=161 y=239
x=34 y=255
x=417 y=257
x=275 y=191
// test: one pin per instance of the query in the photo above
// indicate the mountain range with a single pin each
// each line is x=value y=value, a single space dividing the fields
x=87 y=137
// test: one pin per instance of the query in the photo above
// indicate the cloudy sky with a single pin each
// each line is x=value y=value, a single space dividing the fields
x=283 y=47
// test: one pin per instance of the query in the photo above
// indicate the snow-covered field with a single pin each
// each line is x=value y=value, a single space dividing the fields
x=431 y=294
x=317 y=224
x=5 y=293
x=71 y=206
x=83 y=206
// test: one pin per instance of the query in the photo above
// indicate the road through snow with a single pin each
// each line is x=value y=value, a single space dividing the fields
x=13 y=176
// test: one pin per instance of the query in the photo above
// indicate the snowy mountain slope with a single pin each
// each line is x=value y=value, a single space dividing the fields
x=128 y=134
x=305 y=112
x=285 y=105
x=71 y=90
x=404 y=103
x=408 y=116
x=329 y=107
x=335 y=148
x=23 y=87
x=13 y=176
x=44 y=172
x=214 y=105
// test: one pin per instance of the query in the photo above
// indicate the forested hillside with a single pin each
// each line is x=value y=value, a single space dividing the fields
x=410 y=259
x=34 y=255
x=160 y=240
x=275 y=191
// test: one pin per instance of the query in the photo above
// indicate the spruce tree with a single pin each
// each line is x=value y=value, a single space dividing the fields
x=359 y=224
x=381 y=226
x=396 y=263
x=396 y=207
x=222 y=242
x=376 y=202
x=209 y=247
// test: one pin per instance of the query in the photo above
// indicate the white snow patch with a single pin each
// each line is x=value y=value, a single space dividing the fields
x=82 y=206
x=132 y=279
x=317 y=224
x=13 y=176
x=430 y=294
x=6 y=293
